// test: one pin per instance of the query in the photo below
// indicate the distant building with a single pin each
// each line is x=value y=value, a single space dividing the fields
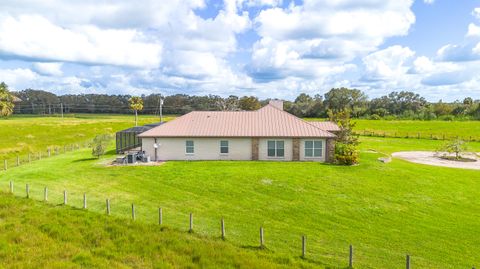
x=269 y=134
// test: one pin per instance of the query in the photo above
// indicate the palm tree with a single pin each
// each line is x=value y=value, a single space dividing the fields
x=136 y=104
x=6 y=101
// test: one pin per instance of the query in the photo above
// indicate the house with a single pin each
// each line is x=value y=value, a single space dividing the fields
x=269 y=133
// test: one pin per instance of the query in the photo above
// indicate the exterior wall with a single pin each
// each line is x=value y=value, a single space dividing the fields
x=239 y=149
x=205 y=149
x=315 y=159
x=263 y=154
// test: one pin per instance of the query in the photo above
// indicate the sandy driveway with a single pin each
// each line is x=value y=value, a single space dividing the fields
x=427 y=157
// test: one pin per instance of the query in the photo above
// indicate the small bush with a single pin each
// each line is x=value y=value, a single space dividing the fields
x=375 y=117
x=346 y=154
x=99 y=144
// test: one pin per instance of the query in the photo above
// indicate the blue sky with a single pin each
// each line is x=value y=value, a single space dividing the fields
x=267 y=48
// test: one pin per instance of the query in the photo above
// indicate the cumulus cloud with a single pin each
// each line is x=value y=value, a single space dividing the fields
x=429 y=2
x=34 y=37
x=49 y=69
x=473 y=30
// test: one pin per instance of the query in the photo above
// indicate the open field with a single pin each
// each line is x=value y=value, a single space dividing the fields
x=36 y=235
x=426 y=129
x=384 y=210
x=23 y=134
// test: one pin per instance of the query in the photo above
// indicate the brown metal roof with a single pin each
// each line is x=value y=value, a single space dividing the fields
x=326 y=125
x=268 y=121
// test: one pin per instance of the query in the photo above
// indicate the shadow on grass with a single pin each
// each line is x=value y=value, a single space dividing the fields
x=85 y=160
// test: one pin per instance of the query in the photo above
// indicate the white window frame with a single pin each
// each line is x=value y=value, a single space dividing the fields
x=313 y=148
x=228 y=147
x=276 y=148
x=187 y=146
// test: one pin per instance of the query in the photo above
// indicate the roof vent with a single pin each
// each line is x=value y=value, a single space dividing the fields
x=276 y=103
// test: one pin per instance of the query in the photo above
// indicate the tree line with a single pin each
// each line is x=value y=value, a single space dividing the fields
x=395 y=105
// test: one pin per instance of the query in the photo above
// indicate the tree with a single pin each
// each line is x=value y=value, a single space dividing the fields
x=99 y=144
x=136 y=104
x=249 y=103
x=346 y=152
x=6 y=101
x=456 y=146
x=343 y=98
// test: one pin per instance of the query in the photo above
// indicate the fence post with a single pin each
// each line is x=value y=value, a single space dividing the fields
x=108 y=207
x=64 y=197
x=49 y=153
x=133 y=211
x=84 y=201
x=261 y=237
x=304 y=246
x=191 y=223
x=223 y=228
x=160 y=216
x=5 y=166
x=350 y=257
x=45 y=194
x=408 y=262
x=18 y=160
x=11 y=186
x=27 y=190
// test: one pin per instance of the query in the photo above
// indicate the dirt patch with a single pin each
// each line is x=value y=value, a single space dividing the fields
x=432 y=158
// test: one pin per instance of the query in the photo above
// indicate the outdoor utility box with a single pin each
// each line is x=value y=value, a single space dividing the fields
x=131 y=158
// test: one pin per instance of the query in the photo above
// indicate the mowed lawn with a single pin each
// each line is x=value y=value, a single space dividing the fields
x=384 y=210
x=23 y=134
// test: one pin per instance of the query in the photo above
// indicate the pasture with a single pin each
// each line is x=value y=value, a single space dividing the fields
x=384 y=210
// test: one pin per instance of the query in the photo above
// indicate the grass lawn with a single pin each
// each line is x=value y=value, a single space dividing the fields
x=384 y=210
x=23 y=134
x=426 y=129
x=36 y=235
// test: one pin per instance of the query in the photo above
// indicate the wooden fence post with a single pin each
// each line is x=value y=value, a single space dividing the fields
x=261 y=237
x=350 y=257
x=45 y=194
x=27 y=190
x=160 y=216
x=304 y=246
x=408 y=262
x=191 y=223
x=5 y=166
x=84 y=201
x=223 y=228
x=18 y=160
x=133 y=211
x=11 y=186
x=108 y=207
x=65 y=197
x=49 y=153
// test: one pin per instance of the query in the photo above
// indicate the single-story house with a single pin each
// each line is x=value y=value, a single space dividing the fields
x=269 y=133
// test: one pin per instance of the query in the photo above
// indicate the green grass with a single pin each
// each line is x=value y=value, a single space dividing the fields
x=36 y=235
x=426 y=129
x=25 y=134
x=384 y=210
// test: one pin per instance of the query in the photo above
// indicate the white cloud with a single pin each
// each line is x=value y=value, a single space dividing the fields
x=49 y=69
x=473 y=30
x=429 y=2
x=34 y=37
x=389 y=63
x=476 y=12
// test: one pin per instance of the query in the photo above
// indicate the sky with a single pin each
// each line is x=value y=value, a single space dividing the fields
x=266 y=48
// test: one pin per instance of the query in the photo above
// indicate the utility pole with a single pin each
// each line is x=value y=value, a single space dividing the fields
x=61 y=108
x=161 y=107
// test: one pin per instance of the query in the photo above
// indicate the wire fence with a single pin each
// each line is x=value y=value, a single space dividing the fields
x=416 y=135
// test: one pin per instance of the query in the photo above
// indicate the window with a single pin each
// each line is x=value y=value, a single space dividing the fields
x=224 y=147
x=313 y=148
x=189 y=147
x=275 y=148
